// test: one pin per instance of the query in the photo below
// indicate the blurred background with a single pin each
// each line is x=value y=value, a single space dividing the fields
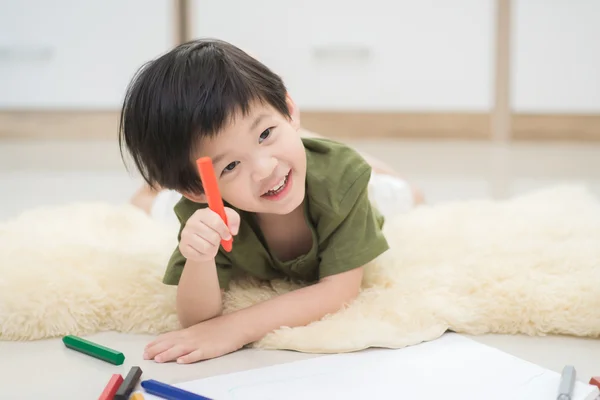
x=467 y=99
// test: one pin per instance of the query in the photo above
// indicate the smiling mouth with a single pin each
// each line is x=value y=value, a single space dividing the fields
x=278 y=188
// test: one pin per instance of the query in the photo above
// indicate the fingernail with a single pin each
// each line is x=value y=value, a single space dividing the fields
x=146 y=356
x=179 y=360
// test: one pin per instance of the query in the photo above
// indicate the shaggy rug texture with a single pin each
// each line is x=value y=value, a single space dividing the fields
x=528 y=265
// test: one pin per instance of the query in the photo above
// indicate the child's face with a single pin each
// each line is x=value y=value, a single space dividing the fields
x=260 y=161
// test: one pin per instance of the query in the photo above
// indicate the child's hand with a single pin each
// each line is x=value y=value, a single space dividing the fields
x=208 y=339
x=202 y=234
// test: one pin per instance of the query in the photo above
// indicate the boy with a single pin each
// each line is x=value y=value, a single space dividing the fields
x=296 y=207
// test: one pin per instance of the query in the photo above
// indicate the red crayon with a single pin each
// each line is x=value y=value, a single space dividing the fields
x=111 y=387
x=211 y=189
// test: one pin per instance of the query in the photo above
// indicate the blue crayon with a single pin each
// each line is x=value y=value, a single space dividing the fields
x=169 y=392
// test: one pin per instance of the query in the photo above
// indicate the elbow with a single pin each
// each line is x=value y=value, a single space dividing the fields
x=186 y=322
x=346 y=285
x=343 y=296
x=188 y=319
x=190 y=313
x=350 y=293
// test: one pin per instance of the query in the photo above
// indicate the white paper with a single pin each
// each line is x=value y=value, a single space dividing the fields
x=451 y=367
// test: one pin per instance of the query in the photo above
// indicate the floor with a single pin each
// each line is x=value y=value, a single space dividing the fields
x=49 y=173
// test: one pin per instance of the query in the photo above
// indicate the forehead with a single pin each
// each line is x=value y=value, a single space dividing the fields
x=248 y=120
x=240 y=122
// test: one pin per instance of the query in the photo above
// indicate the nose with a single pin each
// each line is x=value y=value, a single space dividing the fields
x=264 y=167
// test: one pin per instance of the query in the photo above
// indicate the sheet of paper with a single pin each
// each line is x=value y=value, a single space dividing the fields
x=452 y=367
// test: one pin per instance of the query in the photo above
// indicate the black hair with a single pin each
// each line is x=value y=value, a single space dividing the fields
x=186 y=94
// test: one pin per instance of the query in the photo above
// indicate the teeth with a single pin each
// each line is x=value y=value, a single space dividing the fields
x=278 y=186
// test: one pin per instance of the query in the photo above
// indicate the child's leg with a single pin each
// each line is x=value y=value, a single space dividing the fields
x=158 y=204
x=144 y=198
x=387 y=188
x=393 y=195
x=163 y=205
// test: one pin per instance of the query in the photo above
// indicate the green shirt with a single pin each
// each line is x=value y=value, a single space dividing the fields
x=345 y=227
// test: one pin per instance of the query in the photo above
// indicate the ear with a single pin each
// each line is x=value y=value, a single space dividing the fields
x=294 y=111
x=196 y=198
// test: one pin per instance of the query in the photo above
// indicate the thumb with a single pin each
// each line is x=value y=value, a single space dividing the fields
x=233 y=220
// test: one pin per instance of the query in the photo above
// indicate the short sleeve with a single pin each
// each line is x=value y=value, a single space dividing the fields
x=176 y=263
x=353 y=236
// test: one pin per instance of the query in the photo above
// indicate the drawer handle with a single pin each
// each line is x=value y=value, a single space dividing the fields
x=26 y=53
x=342 y=51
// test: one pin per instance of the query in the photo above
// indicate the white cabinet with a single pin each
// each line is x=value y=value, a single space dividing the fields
x=377 y=55
x=70 y=54
x=556 y=56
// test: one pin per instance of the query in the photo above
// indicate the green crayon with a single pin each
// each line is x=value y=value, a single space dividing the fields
x=94 y=350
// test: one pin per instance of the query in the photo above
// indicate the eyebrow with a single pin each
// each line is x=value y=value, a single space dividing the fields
x=255 y=123
x=218 y=158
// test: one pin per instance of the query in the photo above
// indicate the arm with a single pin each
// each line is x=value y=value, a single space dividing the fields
x=198 y=293
x=297 y=308
x=229 y=332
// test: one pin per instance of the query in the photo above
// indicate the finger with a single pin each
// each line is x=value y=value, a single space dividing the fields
x=159 y=339
x=201 y=237
x=200 y=244
x=214 y=221
x=210 y=235
x=233 y=220
x=152 y=351
x=173 y=353
x=189 y=252
x=194 y=356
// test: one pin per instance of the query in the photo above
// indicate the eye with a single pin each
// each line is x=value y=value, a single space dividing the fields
x=231 y=166
x=263 y=136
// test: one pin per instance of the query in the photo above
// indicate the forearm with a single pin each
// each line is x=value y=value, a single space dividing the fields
x=297 y=308
x=198 y=293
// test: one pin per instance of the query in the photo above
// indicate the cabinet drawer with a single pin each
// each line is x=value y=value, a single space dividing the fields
x=77 y=54
x=356 y=55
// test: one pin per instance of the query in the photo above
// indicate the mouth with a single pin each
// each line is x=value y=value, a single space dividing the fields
x=278 y=188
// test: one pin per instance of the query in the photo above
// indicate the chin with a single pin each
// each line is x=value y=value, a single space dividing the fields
x=294 y=206
x=288 y=208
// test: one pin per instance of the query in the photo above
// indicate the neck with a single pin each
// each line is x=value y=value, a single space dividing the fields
x=268 y=218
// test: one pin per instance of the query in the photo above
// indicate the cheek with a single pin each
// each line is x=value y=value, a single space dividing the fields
x=294 y=151
x=300 y=157
x=237 y=191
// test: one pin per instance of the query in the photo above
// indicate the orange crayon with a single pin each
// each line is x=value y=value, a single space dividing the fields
x=211 y=188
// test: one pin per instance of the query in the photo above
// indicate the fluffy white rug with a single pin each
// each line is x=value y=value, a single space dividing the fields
x=529 y=265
